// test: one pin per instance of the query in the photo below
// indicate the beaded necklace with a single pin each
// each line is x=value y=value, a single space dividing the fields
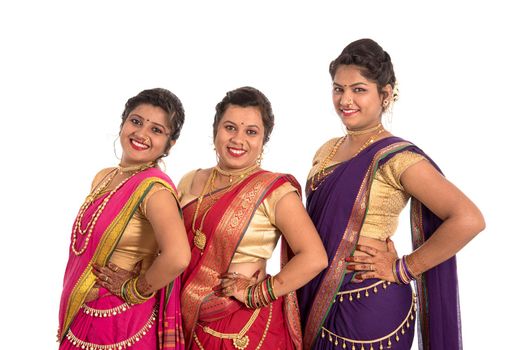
x=319 y=176
x=89 y=227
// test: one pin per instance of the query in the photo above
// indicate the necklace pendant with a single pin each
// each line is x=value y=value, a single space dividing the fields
x=241 y=342
x=199 y=240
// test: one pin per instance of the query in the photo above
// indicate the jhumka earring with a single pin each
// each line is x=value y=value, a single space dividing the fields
x=260 y=157
x=387 y=105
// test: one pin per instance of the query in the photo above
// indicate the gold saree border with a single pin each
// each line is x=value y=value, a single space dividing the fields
x=334 y=276
x=231 y=228
x=105 y=248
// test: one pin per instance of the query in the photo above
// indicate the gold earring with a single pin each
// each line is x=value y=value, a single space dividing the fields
x=259 y=158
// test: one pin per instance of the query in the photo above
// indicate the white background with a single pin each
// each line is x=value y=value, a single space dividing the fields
x=66 y=70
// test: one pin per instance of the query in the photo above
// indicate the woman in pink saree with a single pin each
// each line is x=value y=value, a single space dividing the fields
x=128 y=242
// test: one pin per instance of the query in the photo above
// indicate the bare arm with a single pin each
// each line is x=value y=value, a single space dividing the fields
x=170 y=234
x=310 y=256
x=462 y=220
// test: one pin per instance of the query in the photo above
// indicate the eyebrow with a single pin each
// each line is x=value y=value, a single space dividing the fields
x=158 y=124
x=249 y=126
x=354 y=84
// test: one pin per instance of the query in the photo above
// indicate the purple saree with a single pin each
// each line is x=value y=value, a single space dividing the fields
x=108 y=322
x=338 y=209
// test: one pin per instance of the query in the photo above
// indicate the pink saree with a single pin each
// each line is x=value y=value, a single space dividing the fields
x=108 y=322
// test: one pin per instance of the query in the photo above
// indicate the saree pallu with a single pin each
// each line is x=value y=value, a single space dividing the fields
x=224 y=217
x=156 y=323
x=338 y=209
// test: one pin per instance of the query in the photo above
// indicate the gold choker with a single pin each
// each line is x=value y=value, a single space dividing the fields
x=132 y=168
x=365 y=131
x=241 y=173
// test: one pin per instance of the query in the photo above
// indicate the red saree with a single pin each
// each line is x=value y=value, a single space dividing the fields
x=107 y=322
x=230 y=212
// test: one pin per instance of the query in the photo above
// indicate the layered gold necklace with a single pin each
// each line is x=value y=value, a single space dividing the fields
x=95 y=193
x=319 y=176
x=200 y=238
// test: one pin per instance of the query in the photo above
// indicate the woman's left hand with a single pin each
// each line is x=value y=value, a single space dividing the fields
x=375 y=264
x=112 y=277
x=235 y=284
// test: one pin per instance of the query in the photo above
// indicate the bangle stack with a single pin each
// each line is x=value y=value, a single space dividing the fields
x=129 y=292
x=401 y=271
x=260 y=294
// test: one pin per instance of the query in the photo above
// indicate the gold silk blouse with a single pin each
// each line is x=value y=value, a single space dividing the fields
x=387 y=195
x=262 y=235
x=138 y=242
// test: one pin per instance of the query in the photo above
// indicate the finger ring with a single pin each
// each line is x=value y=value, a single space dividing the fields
x=371 y=267
x=116 y=269
x=106 y=278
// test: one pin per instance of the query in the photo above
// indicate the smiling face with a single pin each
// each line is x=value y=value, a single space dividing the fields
x=239 y=137
x=356 y=99
x=144 y=135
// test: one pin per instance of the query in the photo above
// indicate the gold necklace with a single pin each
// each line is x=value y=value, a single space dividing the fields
x=89 y=227
x=242 y=172
x=200 y=238
x=368 y=142
x=132 y=168
x=365 y=131
x=319 y=177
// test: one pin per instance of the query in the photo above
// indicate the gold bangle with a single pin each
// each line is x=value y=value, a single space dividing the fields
x=137 y=293
x=394 y=270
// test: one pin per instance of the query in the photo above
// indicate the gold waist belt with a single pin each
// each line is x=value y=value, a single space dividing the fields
x=240 y=339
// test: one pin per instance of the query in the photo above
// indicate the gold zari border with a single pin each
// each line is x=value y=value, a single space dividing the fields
x=105 y=247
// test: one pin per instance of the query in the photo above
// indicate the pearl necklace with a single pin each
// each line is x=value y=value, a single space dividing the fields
x=89 y=227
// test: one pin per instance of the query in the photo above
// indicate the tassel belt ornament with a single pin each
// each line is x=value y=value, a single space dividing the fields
x=355 y=293
x=106 y=312
x=379 y=342
x=124 y=344
x=240 y=339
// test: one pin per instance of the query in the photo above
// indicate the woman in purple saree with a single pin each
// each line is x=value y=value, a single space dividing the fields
x=356 y=189
x=128 y=242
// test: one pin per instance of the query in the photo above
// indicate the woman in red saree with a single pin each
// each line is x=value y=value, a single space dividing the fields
x=234 y=215
x=128 y=244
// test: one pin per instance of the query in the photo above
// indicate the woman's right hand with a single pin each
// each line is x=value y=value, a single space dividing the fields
x=374 y=264
x=234 y=285
x=112 y=277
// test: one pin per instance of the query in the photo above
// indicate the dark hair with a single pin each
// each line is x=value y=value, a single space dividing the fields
x=374 y=62
x=246 y=97
x=164 y=99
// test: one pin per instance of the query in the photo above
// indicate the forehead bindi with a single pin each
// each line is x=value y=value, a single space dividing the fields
x=152 y=114
x=243 y=116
